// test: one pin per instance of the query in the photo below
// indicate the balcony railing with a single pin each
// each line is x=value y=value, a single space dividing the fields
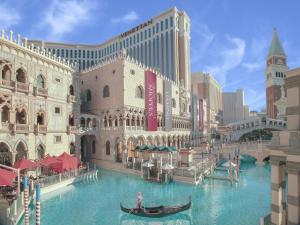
x=5 y=127
x=71 y=98
x=21 y=128
x=40 y=129
x=72 y=130
x=40 y=91
x=22 y=87
x=8 y=84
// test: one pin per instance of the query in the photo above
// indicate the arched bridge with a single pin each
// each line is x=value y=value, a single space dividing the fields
x=257 y=150
x=237 y=129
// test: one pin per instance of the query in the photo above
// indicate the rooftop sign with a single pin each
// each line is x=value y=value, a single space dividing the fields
x=141 y=26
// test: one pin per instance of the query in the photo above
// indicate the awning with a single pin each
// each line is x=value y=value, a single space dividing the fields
x=7 y=177
x=24 y=164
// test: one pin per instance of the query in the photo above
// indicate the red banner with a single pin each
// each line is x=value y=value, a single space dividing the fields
x=151 y=101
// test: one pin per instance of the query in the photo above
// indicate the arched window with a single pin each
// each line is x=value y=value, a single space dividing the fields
x=6 y=73
x=173 y=103
x=5 y=114
x=107 y=147
x=40 y=118
x=5 y=154
x=105 y=122
x=159 y=98
x=94 y=122
x=88 y=95
x=139 y=92
x=82 y=122
x=21 y=76
x=94 y=147
x=71 y=90
x=88 y=122
x=21 y=151
x=21 y=117
x=71 y=120
x=105 y=93
x=40 y=81
x=40 y=152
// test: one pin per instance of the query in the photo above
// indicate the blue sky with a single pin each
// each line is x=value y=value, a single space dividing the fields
x=229 y=38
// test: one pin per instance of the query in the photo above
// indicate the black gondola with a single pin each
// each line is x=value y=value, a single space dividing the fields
x=158 y=211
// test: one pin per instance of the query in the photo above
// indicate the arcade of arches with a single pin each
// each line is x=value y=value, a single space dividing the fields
x=8 y=157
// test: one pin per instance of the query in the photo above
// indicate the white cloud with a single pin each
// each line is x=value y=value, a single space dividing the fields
x=230 y=57
x=8 y=16
x=127 y=18
x=63 y=17
x=253 y=66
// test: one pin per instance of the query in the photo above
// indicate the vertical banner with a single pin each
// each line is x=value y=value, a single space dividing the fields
x=151 y=100
x=201 y=114
x=195 y=111
x=168 y=105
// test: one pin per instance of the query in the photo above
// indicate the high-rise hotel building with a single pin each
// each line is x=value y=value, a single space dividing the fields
x=162 y=42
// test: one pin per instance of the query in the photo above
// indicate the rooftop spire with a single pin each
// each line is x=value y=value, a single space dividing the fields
x=276 y=47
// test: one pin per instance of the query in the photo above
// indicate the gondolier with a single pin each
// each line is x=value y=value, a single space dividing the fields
x=139 y=200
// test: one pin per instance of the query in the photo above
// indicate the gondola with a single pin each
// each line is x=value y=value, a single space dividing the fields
x=158 y=211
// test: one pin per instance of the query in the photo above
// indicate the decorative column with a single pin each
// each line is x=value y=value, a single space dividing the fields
x=293 y=199
x=26 y=198
x=37 y=207
x=278 y=204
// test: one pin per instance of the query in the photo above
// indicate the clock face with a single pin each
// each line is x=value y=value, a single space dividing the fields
x=280 y=61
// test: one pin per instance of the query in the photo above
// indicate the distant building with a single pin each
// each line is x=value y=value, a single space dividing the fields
x=162 y=42
x=233 y=107
x=206 y=87
x=275 y=78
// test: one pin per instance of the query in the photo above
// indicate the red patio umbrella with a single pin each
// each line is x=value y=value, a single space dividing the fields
x=7 y=177
x=48 y=161
x=24 y=164
x=66 y=162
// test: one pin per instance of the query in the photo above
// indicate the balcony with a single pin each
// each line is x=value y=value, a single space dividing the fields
x=72 y=130
x=5 y=127
x=41 y=92
x=21 y=128
x=8 y=84
x=22 y=87
x=71 y=98
x=40 y=129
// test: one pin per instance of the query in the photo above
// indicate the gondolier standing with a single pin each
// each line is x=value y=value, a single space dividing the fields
x=139 y=200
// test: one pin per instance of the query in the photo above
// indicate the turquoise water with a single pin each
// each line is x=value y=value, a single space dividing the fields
x=213 y=202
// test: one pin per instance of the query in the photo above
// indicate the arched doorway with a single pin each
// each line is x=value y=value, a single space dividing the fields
x=21 y=151
x=72 y=148
x=88 y=147
x=5 y=154
x=40 y=152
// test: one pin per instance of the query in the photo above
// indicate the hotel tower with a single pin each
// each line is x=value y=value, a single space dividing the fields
x=162 y=42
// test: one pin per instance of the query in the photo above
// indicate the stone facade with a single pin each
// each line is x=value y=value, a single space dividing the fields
x=206 y=87
x=38 y=102
x=115 y=92
x=285 y=158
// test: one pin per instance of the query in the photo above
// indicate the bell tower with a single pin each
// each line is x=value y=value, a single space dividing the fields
x=275 y=75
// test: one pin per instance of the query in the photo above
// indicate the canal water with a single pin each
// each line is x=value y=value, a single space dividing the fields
x=213 y=202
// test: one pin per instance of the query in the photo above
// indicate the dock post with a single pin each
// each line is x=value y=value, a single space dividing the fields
x=26 y=211
x=37 y=209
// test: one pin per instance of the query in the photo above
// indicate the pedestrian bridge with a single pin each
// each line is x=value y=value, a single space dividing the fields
x=257 y=150
x=238 y=129
x=89 y=124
